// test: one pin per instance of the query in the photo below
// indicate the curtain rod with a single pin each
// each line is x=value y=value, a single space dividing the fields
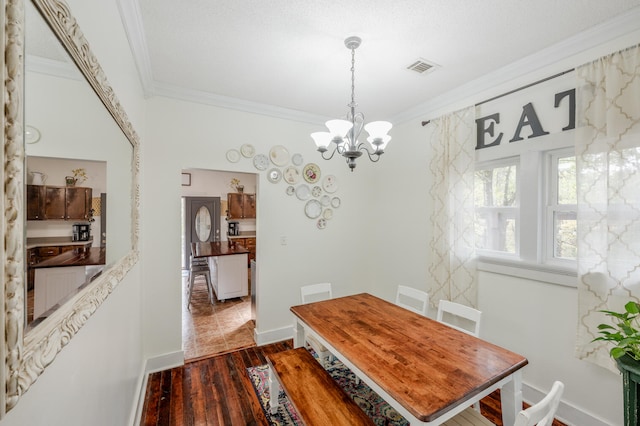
x=424 y=123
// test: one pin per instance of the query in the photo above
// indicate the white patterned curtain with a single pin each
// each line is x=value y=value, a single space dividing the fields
x=608 y=170
x=452 y=265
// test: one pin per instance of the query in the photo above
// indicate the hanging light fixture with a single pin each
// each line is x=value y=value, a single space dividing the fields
x=345 y=133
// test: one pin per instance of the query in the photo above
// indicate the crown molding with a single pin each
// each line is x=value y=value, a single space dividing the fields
x=589 y=39
x=607 y=31
x=228 y=102
x=134 y=28
x=52 y=67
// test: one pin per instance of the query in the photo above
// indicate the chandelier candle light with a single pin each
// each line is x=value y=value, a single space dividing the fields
x=345 y=133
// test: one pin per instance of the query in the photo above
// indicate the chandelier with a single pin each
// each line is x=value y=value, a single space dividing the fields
x=345 y=133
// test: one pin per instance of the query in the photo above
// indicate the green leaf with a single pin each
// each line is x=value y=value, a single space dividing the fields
x=632 y=307
x=605 y=327
x=617 y=353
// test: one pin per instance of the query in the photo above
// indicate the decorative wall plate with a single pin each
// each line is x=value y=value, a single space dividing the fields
x=261 y=162
x=274 y=175
x=325 y=201
x=291 y=175
x=311 y=173
x=247 y=150
x=327 y=214
x=335 y=202
x=313 y=209
x=303 y=192
x=279 y=155
x=233 y=155
x=330 y=184
x=297 y=160
x=32 y=135
x=290 y=190
x=316 y=191
x=322 y=223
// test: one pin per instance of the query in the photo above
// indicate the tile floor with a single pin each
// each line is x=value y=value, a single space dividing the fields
x=213 y=329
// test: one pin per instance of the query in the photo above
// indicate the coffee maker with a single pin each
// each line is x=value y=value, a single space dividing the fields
x=234 y=228
x=81 y=232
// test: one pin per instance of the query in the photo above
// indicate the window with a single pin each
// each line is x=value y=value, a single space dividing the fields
x=496 y=204
x=526 y=210
x=562 y=208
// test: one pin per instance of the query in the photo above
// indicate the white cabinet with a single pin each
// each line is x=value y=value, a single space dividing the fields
x=229 y=275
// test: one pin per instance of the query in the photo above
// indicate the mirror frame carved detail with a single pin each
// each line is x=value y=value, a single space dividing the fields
x=26 y=356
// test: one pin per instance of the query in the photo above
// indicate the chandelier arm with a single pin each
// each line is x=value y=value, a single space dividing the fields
x=323 y=153
x=374 y=157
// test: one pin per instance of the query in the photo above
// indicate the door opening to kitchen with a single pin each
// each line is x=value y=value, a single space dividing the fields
x=218 y=248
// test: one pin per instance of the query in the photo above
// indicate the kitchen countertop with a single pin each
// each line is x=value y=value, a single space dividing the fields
x=243 y=234
x=54 y=241
x=221 y=248
x=86 y=257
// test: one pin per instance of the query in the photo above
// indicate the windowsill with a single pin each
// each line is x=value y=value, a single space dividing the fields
x=543 y=273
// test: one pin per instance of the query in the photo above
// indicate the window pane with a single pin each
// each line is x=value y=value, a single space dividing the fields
x=565 y=235
x=495 y=187
x=496 y=230
x=567 y=180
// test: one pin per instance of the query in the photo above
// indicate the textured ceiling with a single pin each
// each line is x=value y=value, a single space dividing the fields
x=290 y=54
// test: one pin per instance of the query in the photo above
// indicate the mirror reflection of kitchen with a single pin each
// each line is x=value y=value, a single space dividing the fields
x=66 y=231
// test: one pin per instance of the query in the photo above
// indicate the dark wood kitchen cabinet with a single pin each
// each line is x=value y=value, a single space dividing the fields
x=78 y=203
x=241 y=206
x=58 y=202
x=35 y=202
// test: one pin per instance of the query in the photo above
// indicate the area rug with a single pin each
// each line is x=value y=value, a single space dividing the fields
x=380 y=412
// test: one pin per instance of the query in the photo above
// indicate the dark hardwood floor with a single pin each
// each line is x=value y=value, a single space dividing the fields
x=217 y=391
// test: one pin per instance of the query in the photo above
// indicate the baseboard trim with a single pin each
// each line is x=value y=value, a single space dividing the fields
x=272 y=336
x=567 y=413
x=136 y=409
x=164 y=362
x=152 y=365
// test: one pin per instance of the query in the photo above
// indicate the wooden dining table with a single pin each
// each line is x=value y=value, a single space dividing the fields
x=426 y=370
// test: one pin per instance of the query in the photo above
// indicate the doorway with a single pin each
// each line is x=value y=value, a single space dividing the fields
x=201 y=223
x=209 y=329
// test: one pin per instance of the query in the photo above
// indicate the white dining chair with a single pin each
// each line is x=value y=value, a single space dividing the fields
x=315 y=293
x=540 y=414
x=460 y=317
x=455 y=315
x=412 y=299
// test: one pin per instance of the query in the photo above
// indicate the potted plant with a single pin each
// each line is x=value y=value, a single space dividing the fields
x=625 y=335
x=79 y=176
x=235 y=184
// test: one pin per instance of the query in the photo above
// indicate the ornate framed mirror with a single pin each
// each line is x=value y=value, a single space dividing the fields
x=28 y=353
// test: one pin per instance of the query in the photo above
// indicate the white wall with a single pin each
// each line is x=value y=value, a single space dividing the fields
x=194 y=136
x=95 y=379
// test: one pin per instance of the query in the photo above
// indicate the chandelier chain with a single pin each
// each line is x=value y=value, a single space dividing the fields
x=353 y=78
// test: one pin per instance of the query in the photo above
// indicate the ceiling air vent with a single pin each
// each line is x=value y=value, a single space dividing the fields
x=422 y=67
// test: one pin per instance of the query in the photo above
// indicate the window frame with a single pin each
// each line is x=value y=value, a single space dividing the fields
x=494 y=164
x=552 y=206
x=533 y=171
